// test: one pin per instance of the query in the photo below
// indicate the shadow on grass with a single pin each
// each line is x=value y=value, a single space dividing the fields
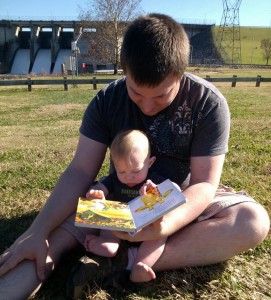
x=11 y=229
x=181 y=284
x=189 y=283
x=54 y=288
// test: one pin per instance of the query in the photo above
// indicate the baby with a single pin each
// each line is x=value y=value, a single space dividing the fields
x=131 y=156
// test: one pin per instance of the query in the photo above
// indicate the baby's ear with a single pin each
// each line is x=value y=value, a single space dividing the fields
x=152 y=160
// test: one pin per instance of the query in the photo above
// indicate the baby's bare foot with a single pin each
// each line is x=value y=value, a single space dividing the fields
x=142 y=273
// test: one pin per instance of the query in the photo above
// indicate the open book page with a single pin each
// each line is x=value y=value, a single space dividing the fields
x=104 y=214
x=131 y=216
x=156 y=203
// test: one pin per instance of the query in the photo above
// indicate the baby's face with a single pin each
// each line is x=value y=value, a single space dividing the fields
x=133 y=170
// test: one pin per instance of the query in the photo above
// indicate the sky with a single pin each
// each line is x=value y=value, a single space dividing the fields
x=251 y=12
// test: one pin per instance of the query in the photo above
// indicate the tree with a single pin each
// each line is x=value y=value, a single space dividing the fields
x=266 y=46
x=106 y=21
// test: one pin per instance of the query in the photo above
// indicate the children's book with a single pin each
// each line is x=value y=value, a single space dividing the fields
x=131 y=216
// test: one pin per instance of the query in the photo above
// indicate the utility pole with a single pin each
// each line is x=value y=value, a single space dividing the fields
x=228 y=41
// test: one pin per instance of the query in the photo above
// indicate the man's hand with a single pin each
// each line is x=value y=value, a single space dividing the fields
x=29 y=246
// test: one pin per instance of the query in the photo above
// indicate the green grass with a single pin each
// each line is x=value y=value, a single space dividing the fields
x=38 y=135
x=251 y=38
x=251 y=44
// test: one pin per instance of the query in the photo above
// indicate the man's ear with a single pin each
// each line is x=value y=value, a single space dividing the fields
x=152 y=160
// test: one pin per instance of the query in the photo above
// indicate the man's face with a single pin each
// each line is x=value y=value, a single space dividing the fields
x=152 y=100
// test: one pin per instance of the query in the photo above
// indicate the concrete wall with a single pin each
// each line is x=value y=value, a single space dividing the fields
x=35 y=35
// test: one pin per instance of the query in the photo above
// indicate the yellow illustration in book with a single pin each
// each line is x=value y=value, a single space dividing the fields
x=107 y=209
x=152 y=197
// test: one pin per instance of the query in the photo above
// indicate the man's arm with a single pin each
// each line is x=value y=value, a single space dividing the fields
x=205 y=176
x=73 y=183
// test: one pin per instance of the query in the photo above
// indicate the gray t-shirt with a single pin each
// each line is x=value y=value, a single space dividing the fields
x=196 y=123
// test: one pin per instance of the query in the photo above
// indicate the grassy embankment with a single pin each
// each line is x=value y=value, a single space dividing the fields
x=251 y=38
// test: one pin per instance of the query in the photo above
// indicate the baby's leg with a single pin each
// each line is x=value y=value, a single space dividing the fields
x=106 y=244
x=147 y=255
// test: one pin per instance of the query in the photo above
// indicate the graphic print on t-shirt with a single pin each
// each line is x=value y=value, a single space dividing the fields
x=171 y=135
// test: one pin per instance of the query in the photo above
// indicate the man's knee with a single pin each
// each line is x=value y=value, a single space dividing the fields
x=248 y=223
x=255 y=222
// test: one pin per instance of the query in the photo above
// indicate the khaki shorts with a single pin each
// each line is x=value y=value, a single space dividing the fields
x=225 y=197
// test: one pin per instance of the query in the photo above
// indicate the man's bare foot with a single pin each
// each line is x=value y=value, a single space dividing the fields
x=101 y=246
x=142 y=273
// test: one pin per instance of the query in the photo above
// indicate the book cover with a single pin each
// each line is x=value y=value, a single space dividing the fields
x=131 y=216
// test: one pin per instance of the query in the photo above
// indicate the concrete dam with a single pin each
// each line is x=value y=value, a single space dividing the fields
x=35 y=47
x=45 y=47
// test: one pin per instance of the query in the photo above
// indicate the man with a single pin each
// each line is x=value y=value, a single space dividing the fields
x=187 y=122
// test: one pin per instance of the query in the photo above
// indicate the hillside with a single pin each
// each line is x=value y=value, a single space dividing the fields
x=251 y=37
x=251 y=44
x=203 y=44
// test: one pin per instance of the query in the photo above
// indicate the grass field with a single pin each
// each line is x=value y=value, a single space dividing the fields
x=38 y=135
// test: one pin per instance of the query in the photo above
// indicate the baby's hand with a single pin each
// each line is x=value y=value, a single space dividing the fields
x=95 y=194
x=146 y=187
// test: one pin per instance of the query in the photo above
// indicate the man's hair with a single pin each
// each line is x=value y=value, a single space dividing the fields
x=127 y=142
x=154 y=47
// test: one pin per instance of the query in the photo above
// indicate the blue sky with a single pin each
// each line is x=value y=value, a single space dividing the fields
x=251 y=13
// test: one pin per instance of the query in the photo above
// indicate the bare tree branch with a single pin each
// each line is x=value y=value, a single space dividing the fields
x=110 y=19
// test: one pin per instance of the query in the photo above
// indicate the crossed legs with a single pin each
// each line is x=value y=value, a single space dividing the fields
x=230 y=232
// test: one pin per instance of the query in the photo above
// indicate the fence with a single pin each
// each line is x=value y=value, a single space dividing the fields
x=94 y=81
x=234 y=79
x=65 y=82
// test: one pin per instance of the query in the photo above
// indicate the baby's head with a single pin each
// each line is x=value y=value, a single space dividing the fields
x=131 y=155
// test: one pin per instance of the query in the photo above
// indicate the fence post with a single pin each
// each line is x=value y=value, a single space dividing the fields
x=65 y=83
x=233 y=84
x=94 y=83
x=29 y=84
x=208 y=77
x=258 y=80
